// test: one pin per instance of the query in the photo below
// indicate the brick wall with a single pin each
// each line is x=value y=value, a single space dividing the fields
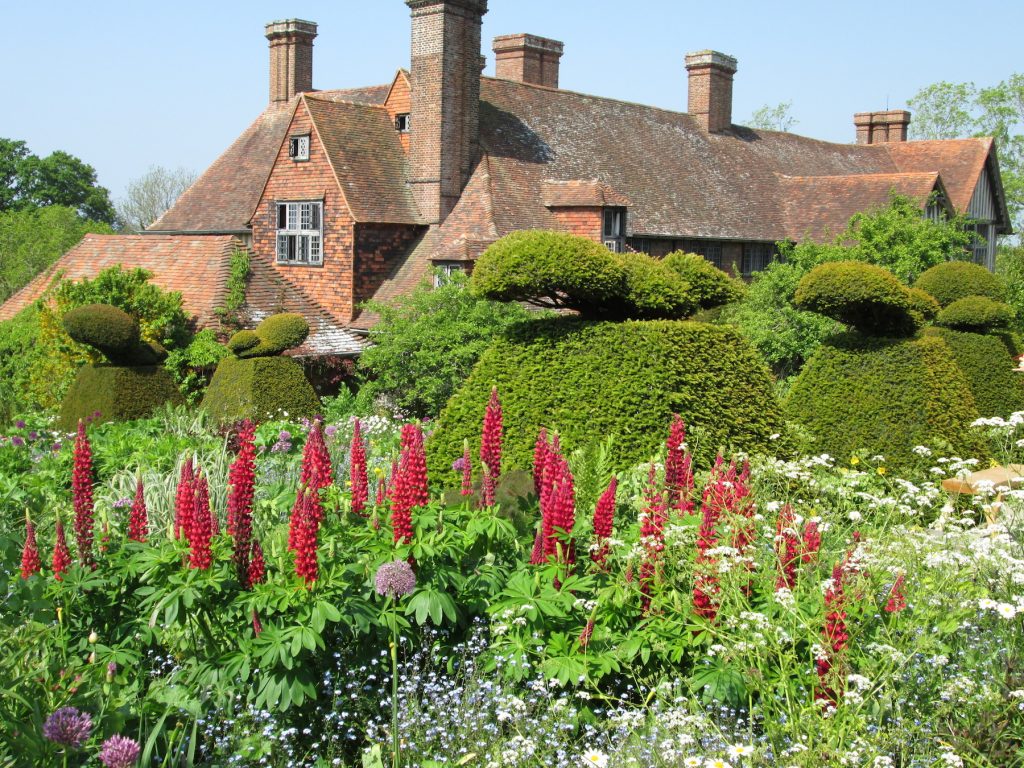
x=527 y=59
x=585 y=222
x=330 y=284
x=709 y=81
x=399 y=102
x=378 y=248
x=291 y=58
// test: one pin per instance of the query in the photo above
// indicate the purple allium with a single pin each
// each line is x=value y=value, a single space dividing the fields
x=56 y=447
x=119 y=752
x=331 y=430
x=33 y=436
x=20 y=423
x=395 y=579
x=285 y=436
x=68 y=727
x=17 y=441
x=123 y=502
x=459 y=464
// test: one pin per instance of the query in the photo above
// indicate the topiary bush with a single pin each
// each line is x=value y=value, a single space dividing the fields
x=924 y=304
x=259 y=388
x=117 y=393
x=653 y=292
x=709 y=286
x=113 y=332
x=987 y=360
x=885 y=396
x=275 y=334
x=975 y=313
x=865 y=296
x=590 y=380
x=953 y=280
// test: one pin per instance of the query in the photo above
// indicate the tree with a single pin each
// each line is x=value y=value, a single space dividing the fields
x=28 y=181
x=777 y=118
x=150 y=195
x=956 y=110
x=32 y=239
x=426 y=344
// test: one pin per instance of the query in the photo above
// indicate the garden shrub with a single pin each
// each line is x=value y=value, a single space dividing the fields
x=975 y=313
x=884 y=396
x=259 y=388
x=117 y=393
x=709 y=285
x=954 y=280
x=114 y=333
x=590 y=380
x=987 y=360
x=653 y=291
x=865 y=296
x=276 y=334
x=18 y=352
x=924 y=304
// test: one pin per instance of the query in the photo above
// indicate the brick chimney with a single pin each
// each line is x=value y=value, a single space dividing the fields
x=528 y=59
x=291 y=58
x=710 y=97
x=445 y=131
x=881 y=127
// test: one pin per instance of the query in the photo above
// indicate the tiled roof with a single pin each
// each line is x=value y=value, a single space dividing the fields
x=819 y=207
x=581 y=193
x=197 y=266
x=366 y=154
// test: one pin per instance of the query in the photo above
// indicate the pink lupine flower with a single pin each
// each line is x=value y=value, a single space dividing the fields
x=357 y=471
x=81 y=491
x=138 y=519
x=604 y=514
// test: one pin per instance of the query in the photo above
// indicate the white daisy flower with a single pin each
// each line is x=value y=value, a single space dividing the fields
x=593 y=757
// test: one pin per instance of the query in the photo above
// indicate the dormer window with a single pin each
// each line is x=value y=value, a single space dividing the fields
x=300 y=233
x=402 y=122
x=298 y=147
x=613 y=231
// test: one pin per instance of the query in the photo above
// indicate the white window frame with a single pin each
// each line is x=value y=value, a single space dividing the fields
x=298 y=147
x=445 y=269
x=299 y=232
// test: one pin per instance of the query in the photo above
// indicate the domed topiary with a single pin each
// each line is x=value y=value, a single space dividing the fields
x=868 y=297
x=653 y=292
x=709 y=286
x=242 y=341
x=953 y=280
x=975 y=313
x=113 y=332
x=276 y=334
x=924 y=304
x=987 y=360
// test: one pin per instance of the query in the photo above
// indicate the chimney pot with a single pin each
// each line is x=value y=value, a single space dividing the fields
x=710 y=88
x=528 y=59
x=291 y=58
x=881 y=127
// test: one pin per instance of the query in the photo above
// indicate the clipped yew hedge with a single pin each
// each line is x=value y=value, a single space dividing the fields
x=589 y=380
x=259 y=388
x=116 y=393
x=868 y=297
x=954 y=280
x=975 y=313
x=987 y=360
x=885 y=396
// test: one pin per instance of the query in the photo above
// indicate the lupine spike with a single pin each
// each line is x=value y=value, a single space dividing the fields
x=811 y=541
x=467 y=470
x=787 y=546
x=678 y=468
x=241 y=493
x=30 y=564
x=138 y=518
x=307 y=528
x=490 y=447
x=835 y=635
x=201 y=530
x=540 y=455
x=357 y=471
x=81 y=491
x=409 y=484
x=184 y=500
x=897 y=601
x=604 y=517
x=257 y=572
x=652 y=534
x=61 y=555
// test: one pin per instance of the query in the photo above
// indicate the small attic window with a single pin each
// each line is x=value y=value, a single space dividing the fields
x=402 y=122
x=298 y=147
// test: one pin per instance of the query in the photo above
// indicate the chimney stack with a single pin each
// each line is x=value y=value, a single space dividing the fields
x=710 y=89
x=291 y=58
x=445 y=134
x=528 y=59
x=881 y=127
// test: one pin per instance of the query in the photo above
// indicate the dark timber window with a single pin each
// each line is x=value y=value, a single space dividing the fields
x=756 y=257
x=402 y=122
x=613 y=230
x=299 y=233
x=298 y=147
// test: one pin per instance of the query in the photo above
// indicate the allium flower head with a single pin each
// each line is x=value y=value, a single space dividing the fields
x=68 y=726
x=395 y=579
x=119 y=752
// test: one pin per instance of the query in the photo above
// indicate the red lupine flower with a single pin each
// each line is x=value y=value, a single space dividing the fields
x=537 y=555
x=811 y=540
x=30 y=564
x=787 y=546
x=382 y=492
x=138 y=519
x=604 y=515
x=679 y=469
x=316 y=460
x=560 y=506
x=257 y=627
x=586 y=634
x=61 y=556
x=184 y=500
x=201 y=531
x=490 y=447
x=241 y=492
x=835 y=635
x=257 y=572
x=652 y=536
x=540 y=455
x=357 y=471
x=742 y=507
x=897 y=602
x=81 y=491
x=409 y=484
x=306 y=531
x=715 y=502
x=467 y=470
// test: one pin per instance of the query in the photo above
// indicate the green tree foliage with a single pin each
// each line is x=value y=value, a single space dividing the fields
x=426 y=344
x=957 y=110
x=33 y=238
x=1010 y=267
x=29 y=181
x=864 y=296
x=773 y=118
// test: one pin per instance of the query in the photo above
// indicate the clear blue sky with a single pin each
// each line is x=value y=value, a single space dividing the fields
x=124 y=85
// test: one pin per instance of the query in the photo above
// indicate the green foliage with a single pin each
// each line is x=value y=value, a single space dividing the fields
x=275 y=334
x=864 y=296
x=113 y=332
x=653 y=291
x=924 y=304
x=987 y=360
x=426 y=343
x=953 y=280
x=192 y=365
x=773 y=118
x=592 y=380
x=784 y=336
x=28 y=181
x=884 y=396
x=238 y=278
x=1010 y=267
x=33 y=238
x=709 y=286
x=259 y=388
x=975 y=313
x=18 y=353
x=117 y=393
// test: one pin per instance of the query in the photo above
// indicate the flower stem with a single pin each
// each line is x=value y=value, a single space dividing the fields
x=395 y=742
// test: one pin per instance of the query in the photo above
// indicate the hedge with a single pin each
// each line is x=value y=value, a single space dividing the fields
x=885 y=396
x=114 y=333
x=954 y=280
x=975 y=313
x=709 y=286
x=118 y=393
x=590 y=380
x=987 y=360
x=868 y=297
x=276 y=334
x=259 y=388
x=924 y=304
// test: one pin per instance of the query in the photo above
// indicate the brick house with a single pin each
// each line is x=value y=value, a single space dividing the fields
x=347 y=195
